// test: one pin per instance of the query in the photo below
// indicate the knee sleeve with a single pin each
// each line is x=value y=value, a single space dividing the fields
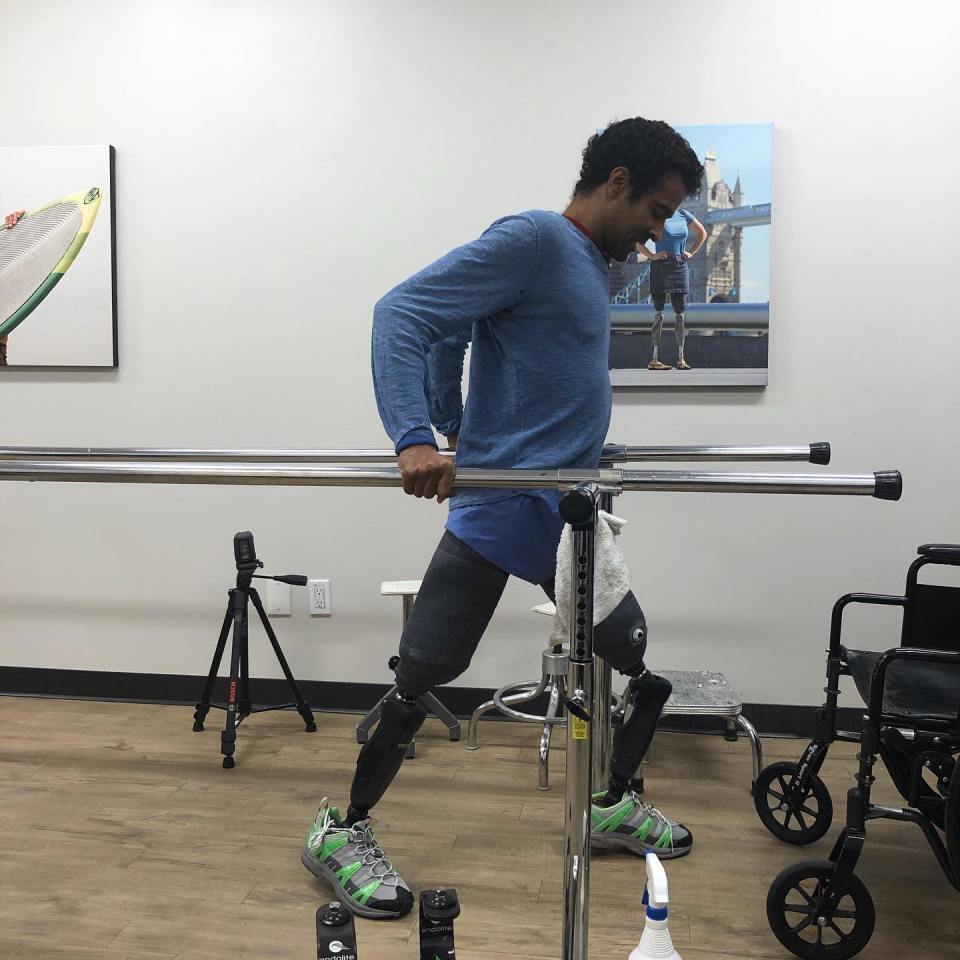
x=643 y=701
x=457 y=598
x=621 y=639
x=381 y=756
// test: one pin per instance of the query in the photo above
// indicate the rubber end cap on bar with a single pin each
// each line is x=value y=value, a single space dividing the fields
x=820 y=453
x=888 y=485
x=576 y=507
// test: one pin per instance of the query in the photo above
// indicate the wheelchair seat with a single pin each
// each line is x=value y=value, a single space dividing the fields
x=915 y=693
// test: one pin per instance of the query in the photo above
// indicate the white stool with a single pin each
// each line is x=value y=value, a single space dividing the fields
x=553 y=682
x=408 y=590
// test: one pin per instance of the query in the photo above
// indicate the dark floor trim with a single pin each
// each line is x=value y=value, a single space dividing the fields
x=770 y=719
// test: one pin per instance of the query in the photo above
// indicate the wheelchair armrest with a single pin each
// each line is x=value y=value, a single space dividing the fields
x=914 y=654
x=883 y=599
x=941 y=552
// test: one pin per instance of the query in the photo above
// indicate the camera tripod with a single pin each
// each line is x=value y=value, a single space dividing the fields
x=239 y=705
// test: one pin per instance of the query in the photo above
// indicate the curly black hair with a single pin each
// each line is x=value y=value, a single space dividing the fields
x=649 y=149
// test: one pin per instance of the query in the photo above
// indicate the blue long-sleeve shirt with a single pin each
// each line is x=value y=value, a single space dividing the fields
x=531 y=294
x=444 y=384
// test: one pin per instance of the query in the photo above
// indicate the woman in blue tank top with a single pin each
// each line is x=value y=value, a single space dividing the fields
x=669 y=274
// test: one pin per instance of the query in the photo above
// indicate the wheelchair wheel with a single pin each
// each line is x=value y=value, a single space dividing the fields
x=953 y=821
x=797 y=921
x=801 y=821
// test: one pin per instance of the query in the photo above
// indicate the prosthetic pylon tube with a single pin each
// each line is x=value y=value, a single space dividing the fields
x=645 y=697
x=381 y=756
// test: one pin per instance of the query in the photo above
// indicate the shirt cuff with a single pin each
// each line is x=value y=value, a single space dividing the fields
x=419 y=436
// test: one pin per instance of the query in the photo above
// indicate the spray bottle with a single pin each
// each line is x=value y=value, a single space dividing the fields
x=655 y=944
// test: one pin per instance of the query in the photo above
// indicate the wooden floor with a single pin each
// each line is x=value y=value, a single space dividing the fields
x=122 y=837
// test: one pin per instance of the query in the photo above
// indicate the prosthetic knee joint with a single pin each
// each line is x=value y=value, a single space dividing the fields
x=380 y=757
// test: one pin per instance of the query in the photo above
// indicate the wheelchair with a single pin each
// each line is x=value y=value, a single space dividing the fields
x=821 y=909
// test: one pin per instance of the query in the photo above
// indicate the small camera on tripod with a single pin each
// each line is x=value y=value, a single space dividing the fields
x=244 y=552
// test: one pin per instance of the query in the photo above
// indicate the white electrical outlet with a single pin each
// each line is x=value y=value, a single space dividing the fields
x=318 y=593
x=278 y=599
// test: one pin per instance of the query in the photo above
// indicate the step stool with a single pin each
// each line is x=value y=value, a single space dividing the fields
x=706 y=693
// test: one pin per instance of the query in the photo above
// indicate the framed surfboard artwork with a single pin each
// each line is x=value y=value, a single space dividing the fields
x=58 y=304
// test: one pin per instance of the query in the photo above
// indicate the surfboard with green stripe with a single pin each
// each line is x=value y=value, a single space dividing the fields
x=38 y=251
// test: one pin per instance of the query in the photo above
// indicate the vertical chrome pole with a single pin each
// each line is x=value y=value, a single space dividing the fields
x=579 y=509
x=602 y=729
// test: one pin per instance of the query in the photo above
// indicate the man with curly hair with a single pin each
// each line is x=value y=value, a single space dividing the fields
x=531 y=296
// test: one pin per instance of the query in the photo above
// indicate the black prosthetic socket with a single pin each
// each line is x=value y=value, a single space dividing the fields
x=381 y=756
x=621 y=638
x=644 y=698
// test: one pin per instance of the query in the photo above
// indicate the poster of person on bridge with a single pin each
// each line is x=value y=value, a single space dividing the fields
x=693 y=307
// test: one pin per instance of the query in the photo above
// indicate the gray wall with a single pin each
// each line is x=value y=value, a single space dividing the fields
x=281 y=165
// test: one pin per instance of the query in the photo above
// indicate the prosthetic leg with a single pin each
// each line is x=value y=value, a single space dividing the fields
x=381 y=756
x=655 y=332
x=681 y=337
x=457 y=598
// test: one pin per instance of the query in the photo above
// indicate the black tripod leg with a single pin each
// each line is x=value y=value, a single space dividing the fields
x=244 y=703
x=228 y=738
x=203 y=707
x=302 y=706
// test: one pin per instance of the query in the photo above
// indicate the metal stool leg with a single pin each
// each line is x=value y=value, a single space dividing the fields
x=372 y=717
x=432 y=705
x=522 y=697
x=553 y=710
x=755 y=747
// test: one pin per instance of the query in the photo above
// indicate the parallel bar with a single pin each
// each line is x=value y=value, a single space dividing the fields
x=286 y=474
x=719 y=482
x=688 y=454
x=613 y=453
x=201 y=456
x=884 y=485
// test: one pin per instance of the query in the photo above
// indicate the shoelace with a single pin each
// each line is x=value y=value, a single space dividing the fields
x=366 y=845
x=362 y=835
x=652 y=811
x=649 y=809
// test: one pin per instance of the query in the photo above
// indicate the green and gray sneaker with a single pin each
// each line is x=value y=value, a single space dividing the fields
x=350 y=860
x=636 y=826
